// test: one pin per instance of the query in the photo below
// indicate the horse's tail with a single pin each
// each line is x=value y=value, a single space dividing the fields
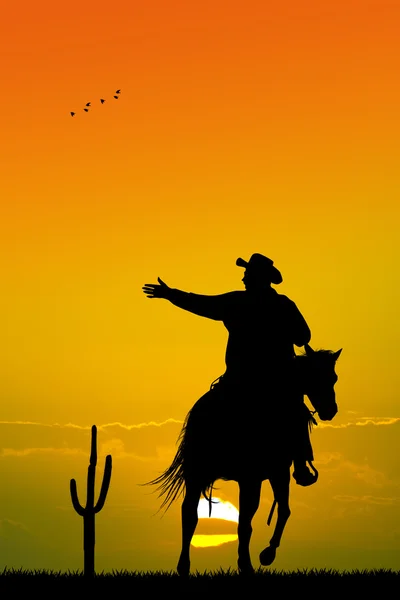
x=171 y=482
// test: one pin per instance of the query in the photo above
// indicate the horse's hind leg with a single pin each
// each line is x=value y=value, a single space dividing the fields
x=189 y=524
x=280 y=485
x=249 y=500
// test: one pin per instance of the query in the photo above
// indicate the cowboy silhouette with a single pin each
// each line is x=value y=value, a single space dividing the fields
x=263 y=327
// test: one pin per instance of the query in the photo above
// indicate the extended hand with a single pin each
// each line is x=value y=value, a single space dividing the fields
x=152 y=290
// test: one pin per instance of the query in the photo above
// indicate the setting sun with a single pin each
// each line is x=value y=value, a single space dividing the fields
x=221 y=511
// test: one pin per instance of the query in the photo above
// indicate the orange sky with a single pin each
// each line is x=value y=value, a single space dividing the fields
x=241 y=127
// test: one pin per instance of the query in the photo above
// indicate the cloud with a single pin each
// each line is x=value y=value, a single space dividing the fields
x=116 y=448
x=142 y=441
x=141 y=425
x=361 y=422
x=99 y=427
x=335 y=462
x=383 y=501
x=326 y=458
x=29 y=451
x=8 y=528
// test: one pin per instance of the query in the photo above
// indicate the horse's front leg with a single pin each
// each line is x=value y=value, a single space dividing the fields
x=249 y=500
x=280 y=483
x=189 y=524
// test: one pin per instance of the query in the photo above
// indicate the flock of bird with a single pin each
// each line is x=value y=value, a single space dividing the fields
x=102 y=100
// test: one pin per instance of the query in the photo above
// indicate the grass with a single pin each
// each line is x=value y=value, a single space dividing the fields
x=170 y=584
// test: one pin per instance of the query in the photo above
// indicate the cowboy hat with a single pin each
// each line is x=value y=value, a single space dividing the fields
x=258 y=263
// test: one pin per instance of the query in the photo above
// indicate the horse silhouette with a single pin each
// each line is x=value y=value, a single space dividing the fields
x=246 y=441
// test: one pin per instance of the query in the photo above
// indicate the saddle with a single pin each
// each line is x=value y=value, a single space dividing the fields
x=279 y=426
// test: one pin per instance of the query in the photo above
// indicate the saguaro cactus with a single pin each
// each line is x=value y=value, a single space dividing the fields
x=89 y=511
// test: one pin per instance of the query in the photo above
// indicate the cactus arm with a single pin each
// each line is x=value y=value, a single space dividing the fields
x=105 y=484
x=74 y=497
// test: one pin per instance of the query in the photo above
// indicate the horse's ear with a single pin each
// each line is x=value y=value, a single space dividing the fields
x=308 y=349
x=337 y=354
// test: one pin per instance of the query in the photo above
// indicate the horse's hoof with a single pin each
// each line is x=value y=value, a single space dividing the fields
x=267 y=556
x=183 y=568
x=245 y=569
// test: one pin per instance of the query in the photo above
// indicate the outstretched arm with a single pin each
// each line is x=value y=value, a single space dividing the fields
x=211 y=307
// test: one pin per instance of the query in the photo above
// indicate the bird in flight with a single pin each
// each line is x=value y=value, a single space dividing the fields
x=102 y=100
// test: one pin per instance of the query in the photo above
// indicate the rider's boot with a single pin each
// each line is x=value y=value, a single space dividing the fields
x=302 y=474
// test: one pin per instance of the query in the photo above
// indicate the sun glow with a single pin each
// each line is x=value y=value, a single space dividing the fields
x=209 y=541
x=220 y=510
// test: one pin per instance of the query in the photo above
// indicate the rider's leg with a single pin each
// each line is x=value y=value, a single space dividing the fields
x=303 y=452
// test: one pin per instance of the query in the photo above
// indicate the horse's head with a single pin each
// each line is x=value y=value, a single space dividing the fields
x=319 y=378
